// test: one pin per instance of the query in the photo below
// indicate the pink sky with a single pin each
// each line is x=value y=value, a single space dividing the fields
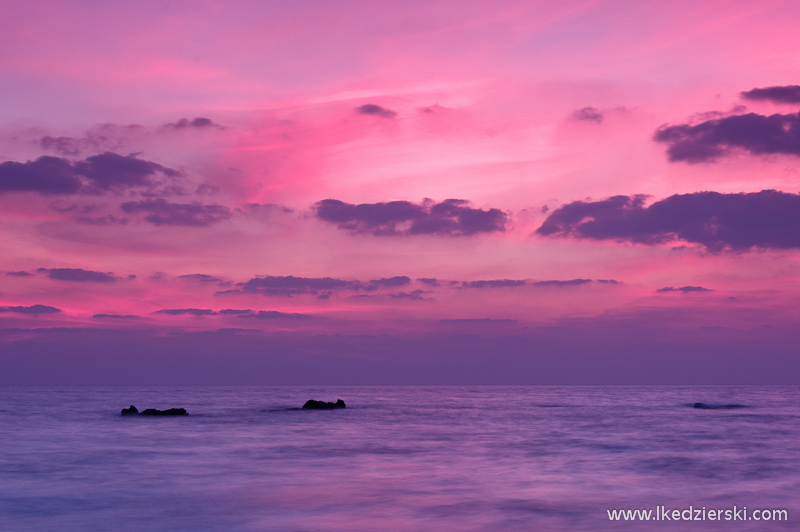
x=188 y=147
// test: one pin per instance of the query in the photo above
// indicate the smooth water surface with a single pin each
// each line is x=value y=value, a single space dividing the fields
x=416 y=458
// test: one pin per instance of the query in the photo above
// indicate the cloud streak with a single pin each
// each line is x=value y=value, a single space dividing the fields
x=738 y=222
x=185 y=311
x=78 y=275
x=684 y=289
x=778 y=94
x=588 y=114
x=375 y=110
x=33 y=309
x=452 y=217
x=289 y=285
x=161 y=212
x=712 y=139
x=56 y=176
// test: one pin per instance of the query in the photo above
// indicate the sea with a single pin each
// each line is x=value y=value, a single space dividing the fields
x=399 y=458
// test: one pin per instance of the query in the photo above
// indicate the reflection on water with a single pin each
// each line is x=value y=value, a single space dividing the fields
x=397 y=458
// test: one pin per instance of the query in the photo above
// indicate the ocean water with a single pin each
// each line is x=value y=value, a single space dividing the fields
x=471 y=458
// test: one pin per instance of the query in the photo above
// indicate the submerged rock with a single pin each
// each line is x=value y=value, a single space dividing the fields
x=170 y=412
x=322 y=405
x=132 y=411
x=711 y=406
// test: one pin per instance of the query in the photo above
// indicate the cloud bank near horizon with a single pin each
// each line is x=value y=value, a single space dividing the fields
x=737 y=222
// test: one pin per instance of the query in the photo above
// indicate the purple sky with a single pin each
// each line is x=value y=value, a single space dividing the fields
x=399 y=192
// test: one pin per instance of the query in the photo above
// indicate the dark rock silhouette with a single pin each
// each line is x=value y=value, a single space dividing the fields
x=711 y=406
x=132 y=411
x=311 y=404
x=170 y=412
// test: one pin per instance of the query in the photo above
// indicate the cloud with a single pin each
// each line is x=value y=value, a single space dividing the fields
x=430 y=281
x=19 y=274
x=570 y=282
x=376 y=110
x=591 y=114
x=290 y=285
x=780 y=94
x=607 y=281
x=742 y=221
x=63 y=145
x=479 y=320
x=497 y=283
x=165 y=213
x=200 y=278
x=196 y=123
x=235 y=312
x=751 y=132
x=274 y=314
x=46 y=175
x=191 y=311
x=684 y=289
x=449 y=217
x=78 y=275
x=102 y=137
x=392 y=281
x=33 y=309
x=56 y=176
x=415 y=295
x=108 y=219
x=504 y=283
x=110 y=170
x=118 y=316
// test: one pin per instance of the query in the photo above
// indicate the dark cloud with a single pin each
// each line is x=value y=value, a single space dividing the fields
x=165 y=213
x=110 y=170
x=196 y=123
x=766 y=219
x=191 y=311
x=430 y=281
x=376 y=110
x=274 y=314
x=591 y=114
x=200 y=278
x=235 y=312
x=78 y=275
x=496 y=283
x=19 y=274
x=290 y=285
x=399 y=280
x=46 y=175
x=780 y=94
x=607 y=281
x=33 y=309
x=570 y=282
x=118 y=316
x=751 y=132
x=684 y=289
x=53 y=175
x=450 y=217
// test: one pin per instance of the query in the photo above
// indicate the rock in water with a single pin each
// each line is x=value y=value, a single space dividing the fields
x=132 y=411
x=311 y=404
x=170 y=412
